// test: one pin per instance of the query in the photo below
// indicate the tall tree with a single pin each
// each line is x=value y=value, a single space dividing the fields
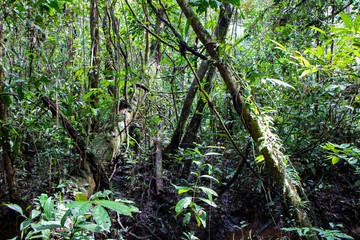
x=7 y=160
x=252 y=120
x=95 y=49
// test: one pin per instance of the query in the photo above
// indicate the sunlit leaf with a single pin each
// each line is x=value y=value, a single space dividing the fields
x=318 y=29
x=208 y=190
x=211 y=203
x=347 y=20
x=15 y=207
x=357 y=22
x=335 y=160
x=279 y=82
x=281 y=46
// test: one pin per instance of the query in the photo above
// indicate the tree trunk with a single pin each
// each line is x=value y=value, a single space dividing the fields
x=95 y=49
x=220 y=32
x=185 y=111
x=96 y=169
x=131 y=107
x=253 y=121
x=7 y=163
x=193 y=127
x=158 y=161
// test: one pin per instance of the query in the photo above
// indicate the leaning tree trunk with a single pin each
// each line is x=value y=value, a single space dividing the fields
x=253 y=121
x=7 y=163
x=220 y=33
x=185 y=111
x=97 y=176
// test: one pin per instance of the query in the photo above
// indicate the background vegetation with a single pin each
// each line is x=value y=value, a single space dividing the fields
x=142 y=120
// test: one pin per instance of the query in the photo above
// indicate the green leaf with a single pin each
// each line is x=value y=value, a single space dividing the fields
x=318 y=29
x=49 y=208
x=66 y=215
x=43 y=199
x=208 y=191
x=209 y=202
x=90 y=227
x=100 y=194
x=210 y=177
x=236 y=3
x=357 y=23
x=279 y=82
x=306 y=72
x=186 y=219
x=335 y=160
x=182 y=204
x=118 y=207
x=35 y=213
x=347 y=20
x=212 y=154
x=259 y=159
x=45 y=225
x=184 y=190
x=80 y=197
x=15 y=207
x=101 y=217
x=79 y=208
x=25 y=224
x=187 y=25
x=200 y=215
x=280 y=46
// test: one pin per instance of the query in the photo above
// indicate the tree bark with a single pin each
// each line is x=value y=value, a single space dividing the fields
x=96 y=169
x=7 y=161
x=95 y=49
x=220 y=32
x=253 y=121
x=193 y=127
x=185 y=111
x=158 y=161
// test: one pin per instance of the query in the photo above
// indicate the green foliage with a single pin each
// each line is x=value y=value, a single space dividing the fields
x=71 y=220
x=191 y=204
x=328 y=234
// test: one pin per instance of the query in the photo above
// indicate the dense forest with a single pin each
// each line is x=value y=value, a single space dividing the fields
x=175 y=119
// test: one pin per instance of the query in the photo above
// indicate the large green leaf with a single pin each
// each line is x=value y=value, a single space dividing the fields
x=90 y=226
x=118 y=207
x=101 y=217
x=183 y=203
x=49 y=208
x=25 y=224
x=15 y=207
x=208 y=191
x=347 y=20
x=78 y=208
x=211 y=203
x=44 y=225
x=66 y=215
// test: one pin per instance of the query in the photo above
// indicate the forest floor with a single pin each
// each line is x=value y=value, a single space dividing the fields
x=247 y=210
